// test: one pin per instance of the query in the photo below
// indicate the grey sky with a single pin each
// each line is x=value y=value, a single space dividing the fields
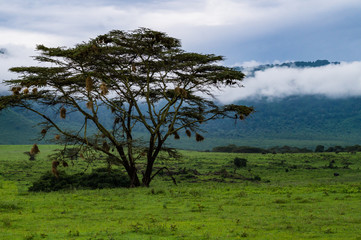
x=241 y=30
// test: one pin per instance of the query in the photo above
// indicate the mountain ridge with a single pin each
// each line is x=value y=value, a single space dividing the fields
x=300 y=121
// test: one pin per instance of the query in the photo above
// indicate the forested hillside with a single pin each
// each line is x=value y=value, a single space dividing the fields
x=302 y=121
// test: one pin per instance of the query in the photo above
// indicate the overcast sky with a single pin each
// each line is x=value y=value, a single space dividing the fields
x=261 y=31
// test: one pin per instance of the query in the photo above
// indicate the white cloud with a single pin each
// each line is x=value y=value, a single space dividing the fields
x=15 y=56
x=343 y=80
x=191 y=20
x=202 y=25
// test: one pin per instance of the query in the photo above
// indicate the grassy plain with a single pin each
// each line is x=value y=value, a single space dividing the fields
x=282 y=196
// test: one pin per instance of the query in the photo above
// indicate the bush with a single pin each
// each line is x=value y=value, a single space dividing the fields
x=99 y=178
x=240 y=162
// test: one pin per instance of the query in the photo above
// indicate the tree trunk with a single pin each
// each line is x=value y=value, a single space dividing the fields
x=148 y=173
x=146 y=180
x=133 y=177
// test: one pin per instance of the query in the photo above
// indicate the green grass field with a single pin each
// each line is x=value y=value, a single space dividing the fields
x=281 y=196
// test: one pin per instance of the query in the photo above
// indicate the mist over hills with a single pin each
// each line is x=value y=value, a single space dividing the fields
x=302 y=121
x=251 y=70
x=296 y=120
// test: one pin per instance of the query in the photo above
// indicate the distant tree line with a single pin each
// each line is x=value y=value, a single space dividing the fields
x=354 y=148
x=285 y=149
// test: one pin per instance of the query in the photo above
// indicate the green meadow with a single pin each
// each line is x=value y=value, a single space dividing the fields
x=275 y=196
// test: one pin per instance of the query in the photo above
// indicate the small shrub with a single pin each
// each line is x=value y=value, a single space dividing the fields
x=98 y=179
x=240 y=162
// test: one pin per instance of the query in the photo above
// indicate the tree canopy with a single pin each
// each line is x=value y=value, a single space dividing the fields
x=143 y=77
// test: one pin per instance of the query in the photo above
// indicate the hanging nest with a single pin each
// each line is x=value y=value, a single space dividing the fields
x=26 y=91
x=89 y=105
x=35 y=91
x=44 y=131
x=16 y=90
x=89 y=84
x=184 y=93
x=176 y=135
x=177 y=91
x=95 y=48
x=34 y=150
x=55 y=164
x=106 y=146
x=188 y=132
x=181 y=92
x=103 y=89
x=199 y=138
x=200 y=119
x=57 y=137
x=63 y=113
x=134 y=69
x=112 y=109
x=116 y=120
x=54 y=168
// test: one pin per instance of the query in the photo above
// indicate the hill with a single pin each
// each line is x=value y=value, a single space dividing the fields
x=302 y=121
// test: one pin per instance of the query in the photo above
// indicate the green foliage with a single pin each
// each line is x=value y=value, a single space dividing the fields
x=98 y=179
x=240 y=162
x=320 y=148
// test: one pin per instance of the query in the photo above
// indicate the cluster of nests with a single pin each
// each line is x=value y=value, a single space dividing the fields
x=54 y=166
x=199 y=138
x=44 y=131
x=89 y=85
x=17 y=91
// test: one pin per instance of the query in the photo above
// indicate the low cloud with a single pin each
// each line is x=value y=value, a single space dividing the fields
x=197 y=22
x=15 y=56
x=336 y=81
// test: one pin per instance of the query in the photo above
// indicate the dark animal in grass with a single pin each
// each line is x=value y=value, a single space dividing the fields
x=336 y=174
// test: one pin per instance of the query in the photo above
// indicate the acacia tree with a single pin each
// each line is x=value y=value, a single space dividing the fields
x=143 y=77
